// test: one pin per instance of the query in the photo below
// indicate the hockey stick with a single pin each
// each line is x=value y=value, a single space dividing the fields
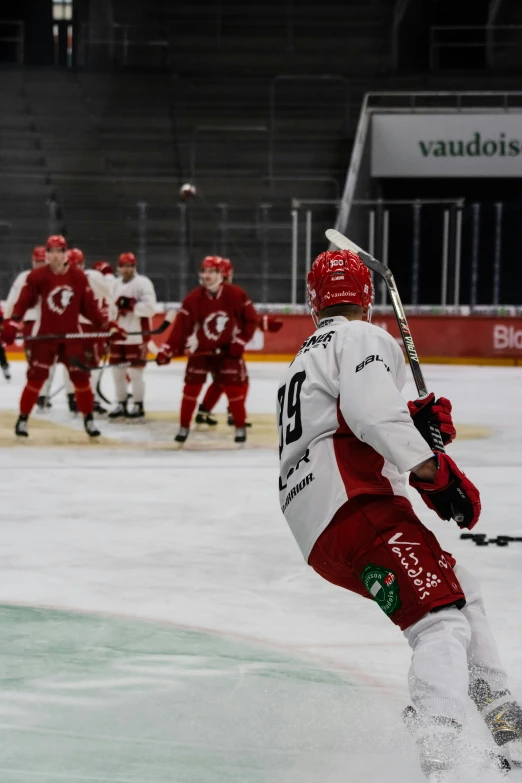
x=55 y=393
x=90 y=367
x=342 y=242
x=99 y=392
x=4 y=364
x=104 y=335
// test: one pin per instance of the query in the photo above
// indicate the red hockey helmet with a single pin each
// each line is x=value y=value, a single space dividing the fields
x=38 y=256
x=127 y=259
x=212 y=262
x=75 y=257
x=338 y=277
x=227 y=270
x=56 y=241
x=103 y=267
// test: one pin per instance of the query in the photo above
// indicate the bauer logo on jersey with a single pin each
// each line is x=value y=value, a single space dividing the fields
x=214 y=325
x=59 y=299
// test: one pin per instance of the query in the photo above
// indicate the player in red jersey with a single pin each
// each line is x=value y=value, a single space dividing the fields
x=222 y=319
x=64 y=295
x=266 y=323
x=101 y=286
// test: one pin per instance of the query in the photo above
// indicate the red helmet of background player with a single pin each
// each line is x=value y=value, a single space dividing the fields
x=103 y=267
x=56 y=241
x=214 y=263
x=38 y=256
x=227 y=270
x=338 y=277
x=127 y=259
x=75 y=257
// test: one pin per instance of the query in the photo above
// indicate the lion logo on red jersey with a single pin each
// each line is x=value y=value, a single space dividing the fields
x=214 y=324
x=59 y=299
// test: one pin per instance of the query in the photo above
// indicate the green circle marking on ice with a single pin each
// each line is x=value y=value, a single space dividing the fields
x=95 y=699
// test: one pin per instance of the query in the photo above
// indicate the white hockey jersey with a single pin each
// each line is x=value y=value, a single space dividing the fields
x=33 y=314
x=101 y=286
x=344 y=426
x=141 y=289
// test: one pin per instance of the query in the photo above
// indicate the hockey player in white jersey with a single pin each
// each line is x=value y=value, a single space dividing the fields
x=38 y=258
x=347 y=437
x=134 y=303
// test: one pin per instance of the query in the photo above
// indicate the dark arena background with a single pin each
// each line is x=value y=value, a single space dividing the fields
x=158 y=623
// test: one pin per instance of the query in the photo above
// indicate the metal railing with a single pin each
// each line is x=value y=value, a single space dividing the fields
x=492 y=40
x=375 y=228
x=443 y=252
x=117 y=42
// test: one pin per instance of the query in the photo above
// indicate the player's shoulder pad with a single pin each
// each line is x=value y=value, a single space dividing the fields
x=235 y=291
x=193 y=295
x=368 y=334
x=79 y=273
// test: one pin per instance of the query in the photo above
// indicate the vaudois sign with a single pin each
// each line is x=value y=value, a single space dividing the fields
x=447 y=145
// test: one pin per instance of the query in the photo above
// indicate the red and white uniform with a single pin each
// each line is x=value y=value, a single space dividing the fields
x=102 y=288
x=342 y=407
x=63 y=299
x=140 y=289
x=215 y=321
x=219 y=326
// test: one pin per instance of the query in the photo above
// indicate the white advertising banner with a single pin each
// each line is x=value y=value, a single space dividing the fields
x=446 y=145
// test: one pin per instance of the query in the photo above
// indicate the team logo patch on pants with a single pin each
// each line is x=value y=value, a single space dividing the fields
x=383 y=587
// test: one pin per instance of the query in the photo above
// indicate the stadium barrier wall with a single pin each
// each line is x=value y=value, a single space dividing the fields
x=438 y=338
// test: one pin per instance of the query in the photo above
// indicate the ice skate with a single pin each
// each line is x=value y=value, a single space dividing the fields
x=241 y=435
x=137 y=411
x=43 y=403
x=438 y=741
x=6 y=370
x=119 y=412
x=99 y=409
x=182 y=436
x=71 y=401
x=503 y=717
x=90 y=426
x=21 y=426
x=203 y=417
x=230 y=421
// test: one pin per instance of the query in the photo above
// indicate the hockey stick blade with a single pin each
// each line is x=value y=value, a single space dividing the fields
x=343 y=243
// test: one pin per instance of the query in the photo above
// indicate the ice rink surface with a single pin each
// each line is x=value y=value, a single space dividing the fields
x=158 y=624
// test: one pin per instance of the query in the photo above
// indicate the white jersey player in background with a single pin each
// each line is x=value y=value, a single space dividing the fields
x=347 y=437
x=38 y=258
x=133 y=304
x=102 y=286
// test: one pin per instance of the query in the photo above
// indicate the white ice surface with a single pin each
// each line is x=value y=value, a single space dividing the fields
x=196 y=541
